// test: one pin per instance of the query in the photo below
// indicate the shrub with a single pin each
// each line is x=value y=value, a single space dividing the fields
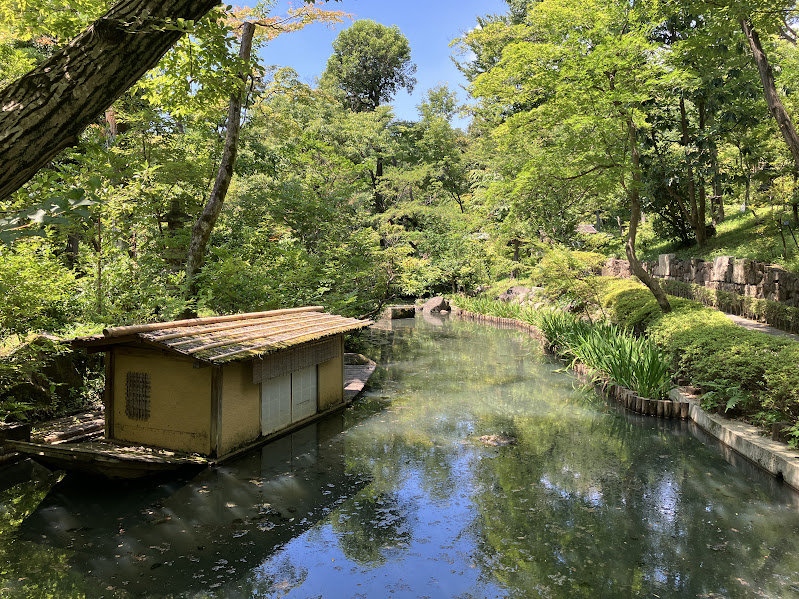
x=725 y=359
x=37 y=292
x=571 y=276
x=629 y=361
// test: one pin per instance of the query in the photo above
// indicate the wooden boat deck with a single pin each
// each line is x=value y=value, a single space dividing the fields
x=355 y=379
x=115 y=460
x=79 y=427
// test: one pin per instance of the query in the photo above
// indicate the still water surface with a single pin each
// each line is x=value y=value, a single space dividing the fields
x=396 y=497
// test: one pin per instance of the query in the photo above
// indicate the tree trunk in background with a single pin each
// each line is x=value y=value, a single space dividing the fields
x=45 y=110
x=697 y=210
x=770 y=91
x=633 y=194
x=201 y=232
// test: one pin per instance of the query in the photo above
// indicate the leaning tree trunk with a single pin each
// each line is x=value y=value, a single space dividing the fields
x=201 y=232
x=45 y=110
x=633 y=194
x=770 y=91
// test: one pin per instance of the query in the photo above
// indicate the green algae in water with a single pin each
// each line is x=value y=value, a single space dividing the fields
x=397 y=497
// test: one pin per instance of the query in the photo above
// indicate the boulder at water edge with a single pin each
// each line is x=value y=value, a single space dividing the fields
x=435 y=304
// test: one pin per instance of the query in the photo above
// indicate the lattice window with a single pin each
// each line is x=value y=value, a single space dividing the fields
x=137 y=395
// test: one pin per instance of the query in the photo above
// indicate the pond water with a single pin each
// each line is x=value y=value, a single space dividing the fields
x=396 y=497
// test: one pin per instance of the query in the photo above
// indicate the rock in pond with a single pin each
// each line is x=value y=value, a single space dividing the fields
x=497 y=440
x=435 y=304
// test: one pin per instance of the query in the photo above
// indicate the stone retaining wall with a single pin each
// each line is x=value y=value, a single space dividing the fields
x=744 y=277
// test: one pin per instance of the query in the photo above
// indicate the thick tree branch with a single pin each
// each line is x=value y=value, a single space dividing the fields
x=201 y=232
x=45 y=111
x=635 y=216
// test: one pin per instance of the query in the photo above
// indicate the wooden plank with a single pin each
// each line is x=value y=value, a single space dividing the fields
x=355 y=379
x=98 y=343
x=107 y=458
x=108 y=395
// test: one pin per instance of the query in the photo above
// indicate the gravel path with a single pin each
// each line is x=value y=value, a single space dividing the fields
x=753 y=325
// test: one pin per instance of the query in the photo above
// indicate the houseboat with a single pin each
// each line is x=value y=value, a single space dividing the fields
x=202 y=390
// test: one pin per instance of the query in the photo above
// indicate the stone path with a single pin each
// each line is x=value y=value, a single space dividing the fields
x=753 y=325
x=355 y=378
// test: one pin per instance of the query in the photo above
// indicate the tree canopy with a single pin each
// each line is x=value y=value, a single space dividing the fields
x=370 y=64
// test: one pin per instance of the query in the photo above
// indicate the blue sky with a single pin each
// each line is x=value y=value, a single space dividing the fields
x=429 y=26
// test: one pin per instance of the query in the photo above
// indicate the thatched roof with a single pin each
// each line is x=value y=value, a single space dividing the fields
x=227 y=338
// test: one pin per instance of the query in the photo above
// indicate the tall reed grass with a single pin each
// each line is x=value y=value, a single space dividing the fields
x=627 y=360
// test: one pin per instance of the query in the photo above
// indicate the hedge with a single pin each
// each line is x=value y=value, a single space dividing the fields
x=708 y=349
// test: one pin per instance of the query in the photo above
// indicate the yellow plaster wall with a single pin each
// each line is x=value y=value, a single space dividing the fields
x=180 y=401
x=331 y=379
x=241 y=407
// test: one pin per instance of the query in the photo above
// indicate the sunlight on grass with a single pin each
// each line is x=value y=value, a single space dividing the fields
x=739 y=235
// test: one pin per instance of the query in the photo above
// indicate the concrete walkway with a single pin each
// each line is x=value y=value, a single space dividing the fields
x=753 y=325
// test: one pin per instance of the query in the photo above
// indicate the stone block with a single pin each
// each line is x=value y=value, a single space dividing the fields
x=722 y=269
x=751 y=291
x=741 y=271
x=395 y=312
x=696 y=272
x=435 y=305
x=665 y=265
x=515 y=294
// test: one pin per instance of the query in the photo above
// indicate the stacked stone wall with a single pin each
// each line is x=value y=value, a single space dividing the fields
x=744 y=277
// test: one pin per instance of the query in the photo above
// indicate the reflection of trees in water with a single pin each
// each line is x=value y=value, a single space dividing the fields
x=414 y=347
x=612 y=515
x=370 y=525
x=283 y=577
x=22 y=561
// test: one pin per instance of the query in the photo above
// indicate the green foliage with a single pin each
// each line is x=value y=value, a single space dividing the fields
x=779 y=315
x=370 y=63
x=726 y=395
x=570 y=276
x=37 y=291
x=41 y=377
x=743 y=369
x=628 y=360
x=628 y=304
x=491 y=307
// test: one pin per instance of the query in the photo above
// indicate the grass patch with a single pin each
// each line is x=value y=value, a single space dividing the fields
x=740 y=235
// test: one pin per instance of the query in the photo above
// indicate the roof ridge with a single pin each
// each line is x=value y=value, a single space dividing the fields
x=144 y=328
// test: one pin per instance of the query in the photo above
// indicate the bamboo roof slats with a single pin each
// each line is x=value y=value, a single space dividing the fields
x=257 y=335
x=212 y=337
x=143 y=328
x=211 y=329
x=228 y=338
x=285 y=341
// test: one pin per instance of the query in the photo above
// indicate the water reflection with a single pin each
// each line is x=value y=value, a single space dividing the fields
x=397 y=497
x=181 y=537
